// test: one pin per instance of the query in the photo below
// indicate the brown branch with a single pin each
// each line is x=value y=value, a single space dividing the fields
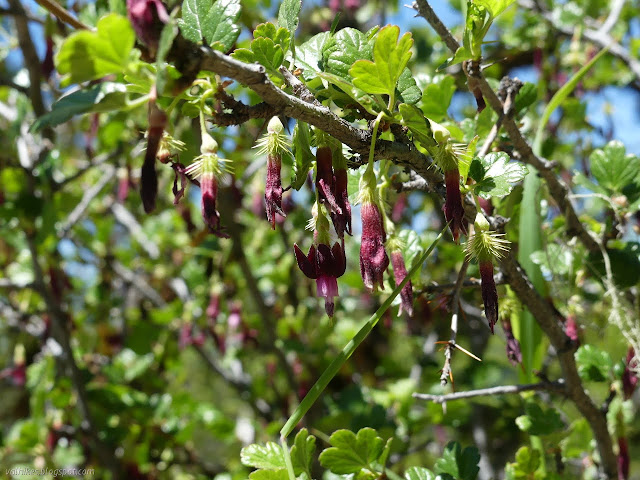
x=545 y=314
x=550 y=320
x=31 y=60
x=558 y=191
x=599 y=37
x=557 y=387
x=59 y=330
x=255 y=77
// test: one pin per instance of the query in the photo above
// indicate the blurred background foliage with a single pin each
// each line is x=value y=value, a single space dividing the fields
x=168 y=323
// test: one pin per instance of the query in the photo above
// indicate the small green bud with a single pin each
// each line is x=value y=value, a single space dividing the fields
x=209 y=146
x=481 y=223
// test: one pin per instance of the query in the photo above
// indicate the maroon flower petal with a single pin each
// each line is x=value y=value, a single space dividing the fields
x=273 y=190
x=325 y=179
x=373 y=256
x=489 y=292
x=453 y=209
x=514 y=354
x=400 y=273
x=341 y=221
x=307 y=264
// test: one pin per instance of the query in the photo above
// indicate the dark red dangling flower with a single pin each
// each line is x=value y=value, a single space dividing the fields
x=400 y=273
x=373 y=256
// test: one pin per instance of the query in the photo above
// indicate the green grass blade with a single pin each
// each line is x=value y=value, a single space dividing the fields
x=350 y=347
x=560 y=96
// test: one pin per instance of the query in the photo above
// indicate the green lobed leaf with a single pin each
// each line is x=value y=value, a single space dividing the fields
x=224 y=26
x=462 y=54
x=416 y=122
x=555 y=260
x=211 y=23
x=197 y=20
x=390 y=59
x=495 y=175
x=526 y=97
x=351 y=453
x=538 y=421
x=267 y=457
x=594 y=365
x=419 y=473
x=613 y=168
x=495 y=7
x=460 y=464
x=437 y=97
x=526 y=464
x=342 y=50
x=89 y=55
x=289 y=13
x=280 y=36
x=279 y=474
x=309 y=55
x=102 y=97
x=264 y=51
x=408 y=89
x=302 y=451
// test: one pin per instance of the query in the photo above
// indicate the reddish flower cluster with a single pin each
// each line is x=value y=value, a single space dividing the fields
x=324 y=264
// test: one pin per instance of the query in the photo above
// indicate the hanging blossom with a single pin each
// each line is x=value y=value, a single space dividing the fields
x=209 y=167
x=274 y=144
x=148 y=176
x=486 y=246
x=373 y=256
x=400 y=273
x=447 y=158
x=323 y=263
x=148 y=17
x=341 y=219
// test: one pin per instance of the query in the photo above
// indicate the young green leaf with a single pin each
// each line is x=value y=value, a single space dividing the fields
x=495 y=7
x=288 y=14
x=408 y=88
x=264 y=51
x=279 y=474
x=538 y=421
x=390 y=59
x=302 y=451
x=351 y=453
x=594 y=365
x=495 y=175
x=526 y=464
x=309 y=55
x=342 y=50
x=102 y=97
x=416 y=122
x=88 y=55
x=280 y=36
x=527 y=95
x=437 y=97
x=460 y=464
x=419 y=473
x=209 y=22
x=613 y=168
x=267 y=457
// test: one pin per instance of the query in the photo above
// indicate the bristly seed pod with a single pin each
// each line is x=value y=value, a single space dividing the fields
x=485 y=246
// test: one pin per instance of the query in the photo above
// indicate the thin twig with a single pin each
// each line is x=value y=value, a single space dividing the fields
x=557 y=387
x=545 y=314
x=58 y=11
x=31 y=60
x=77 y=213
x=447 y=374
x=61 y=334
